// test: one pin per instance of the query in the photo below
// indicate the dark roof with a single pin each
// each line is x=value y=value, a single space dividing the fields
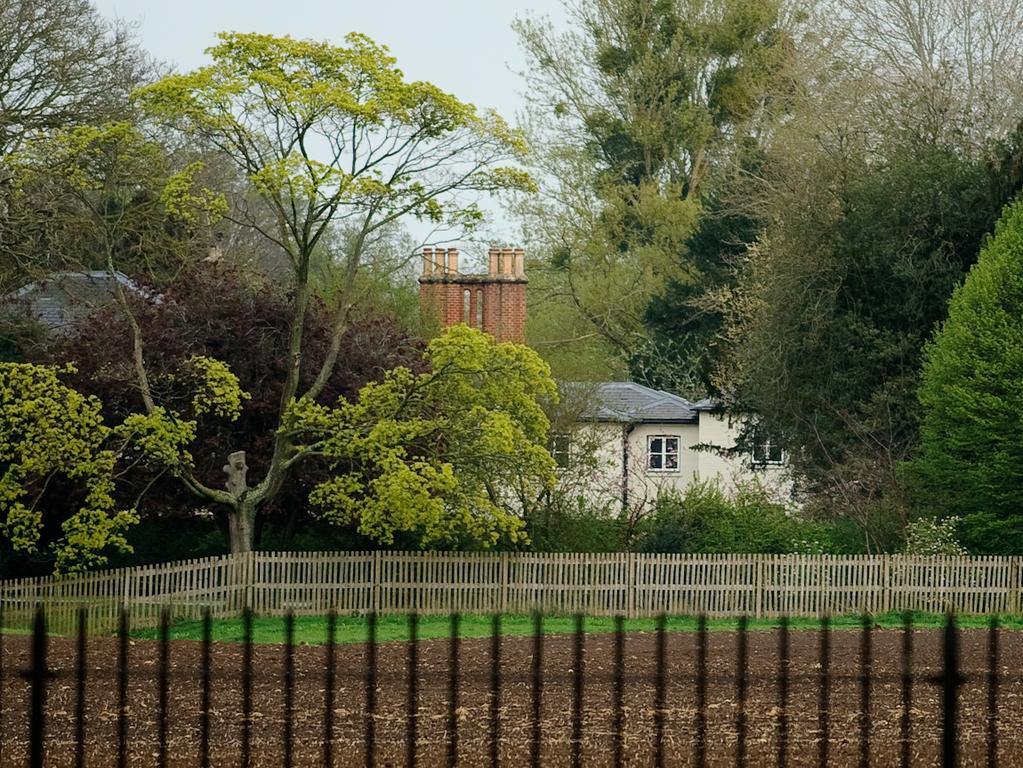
x=63 y=298
x=630 y=403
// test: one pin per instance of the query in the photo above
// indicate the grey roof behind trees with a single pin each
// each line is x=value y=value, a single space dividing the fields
x=63 y=298
x=630 y=403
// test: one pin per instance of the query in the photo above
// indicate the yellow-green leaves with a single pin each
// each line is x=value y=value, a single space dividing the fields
x=324 y=131
x=48 y=430
x=217 y=391
x=448 y=457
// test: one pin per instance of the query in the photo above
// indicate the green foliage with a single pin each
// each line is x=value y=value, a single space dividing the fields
x=970 y=462
x=451 y=455
x=356 y=100
x=706 y=519
x=634 y=111
x=47 y=430
x=216 y=389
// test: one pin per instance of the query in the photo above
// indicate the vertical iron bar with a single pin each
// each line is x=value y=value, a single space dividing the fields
x=122 y=689
x=454 y=651
x=741 y=690
x=1 y=682
x=164 y=685
x=866 y=637
x=328 y=691
x=907 y=688
x=823 y=701
x=412 y=726
x=247 y=687
x=578 y=660
x=701 y=691
x=37 y=722
x=618 y=693
x=537 y=693
x=81 y=662
x=950 y=694
x=371 y=689
x=783 y=692
x=289 y=686
x=992 y=693
x=495 y=690
x=204 y=707
x=660 y=692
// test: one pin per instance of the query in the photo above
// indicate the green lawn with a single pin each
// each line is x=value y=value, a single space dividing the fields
x=312 y=630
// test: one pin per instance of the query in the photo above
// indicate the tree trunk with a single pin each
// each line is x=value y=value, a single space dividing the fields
x=241 y=527
x=240 y=520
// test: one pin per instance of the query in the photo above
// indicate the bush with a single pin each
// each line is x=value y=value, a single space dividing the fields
x=706 y=519
x=567 y=525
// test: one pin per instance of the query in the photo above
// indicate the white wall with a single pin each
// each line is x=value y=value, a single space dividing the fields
x=599 y=461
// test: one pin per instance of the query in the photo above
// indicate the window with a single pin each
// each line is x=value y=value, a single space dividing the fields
x=466 y=299
x=479 y=309
x=662 y=453
x=766 y=452
x=561 y=449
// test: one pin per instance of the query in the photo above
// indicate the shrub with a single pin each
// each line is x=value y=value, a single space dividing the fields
x=706 y=519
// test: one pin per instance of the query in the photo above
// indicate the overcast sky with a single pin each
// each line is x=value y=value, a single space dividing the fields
x=466 y=47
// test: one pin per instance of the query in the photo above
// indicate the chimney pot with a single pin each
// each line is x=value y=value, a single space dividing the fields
x=452 y=261
x=520 y=262
x=495 y=261
x=428 y=261
x=507 y=254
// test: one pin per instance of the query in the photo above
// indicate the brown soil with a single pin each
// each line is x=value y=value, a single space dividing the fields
x=762 y=740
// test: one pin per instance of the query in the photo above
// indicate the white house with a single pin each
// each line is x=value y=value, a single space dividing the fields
x=628 y=443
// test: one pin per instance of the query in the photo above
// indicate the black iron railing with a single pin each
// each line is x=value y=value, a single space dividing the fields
x=42 y=673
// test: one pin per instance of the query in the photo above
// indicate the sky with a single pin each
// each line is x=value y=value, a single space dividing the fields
x=466 y=47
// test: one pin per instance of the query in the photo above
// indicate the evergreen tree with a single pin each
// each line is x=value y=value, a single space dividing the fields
x=970 y=461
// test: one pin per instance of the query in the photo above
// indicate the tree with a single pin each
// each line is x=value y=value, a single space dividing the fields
x=327 y=136
x=50 y=433
x=970 y=461
x=62 y=65
x=455 y=455
x=241 y=319
x=872 y=197
x=636 y=110
x=108 y=198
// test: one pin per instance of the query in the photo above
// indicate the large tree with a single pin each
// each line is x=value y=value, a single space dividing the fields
x=328 y=137
x=636 y=109
x=62 y=64
x=970 y=462
x=874 y=195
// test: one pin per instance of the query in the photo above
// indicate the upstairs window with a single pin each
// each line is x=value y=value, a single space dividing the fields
x=767 y=452
x=662 y=453
x=561 y=449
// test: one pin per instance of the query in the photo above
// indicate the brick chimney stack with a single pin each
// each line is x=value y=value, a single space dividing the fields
x=494 y=303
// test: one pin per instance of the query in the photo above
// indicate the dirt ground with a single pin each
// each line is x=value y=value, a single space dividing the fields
x=267 y=749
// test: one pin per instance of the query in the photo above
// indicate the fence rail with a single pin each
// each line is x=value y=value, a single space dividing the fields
x=625 y=584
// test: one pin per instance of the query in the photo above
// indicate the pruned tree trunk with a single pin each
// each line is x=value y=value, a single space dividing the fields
x=242 y=519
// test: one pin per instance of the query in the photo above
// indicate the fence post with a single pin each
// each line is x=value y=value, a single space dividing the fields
x=758 y=586
x=886 y=597
x=630 y=585
x=126 y=588
x=376 y=581
x=503 y=597
x=1014 y=586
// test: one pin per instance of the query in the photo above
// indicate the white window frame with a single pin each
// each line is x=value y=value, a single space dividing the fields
x=565 y=451
x=766 y=445
x=664 y=453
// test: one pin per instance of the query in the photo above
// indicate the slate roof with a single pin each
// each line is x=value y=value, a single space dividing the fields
x=66 y=297
x=630 y=403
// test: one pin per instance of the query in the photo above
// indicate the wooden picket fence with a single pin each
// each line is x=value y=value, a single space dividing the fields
x=627 y=584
